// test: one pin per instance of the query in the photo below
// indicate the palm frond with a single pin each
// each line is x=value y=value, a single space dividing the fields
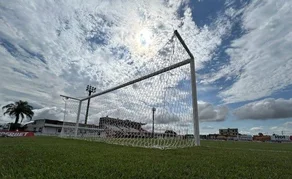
x=8 y=106
x=9 y=111
x=28 y=111
x=29 y=116
x=12 y=113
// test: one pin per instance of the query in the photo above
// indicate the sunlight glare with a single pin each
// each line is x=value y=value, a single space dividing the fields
x=145 y=37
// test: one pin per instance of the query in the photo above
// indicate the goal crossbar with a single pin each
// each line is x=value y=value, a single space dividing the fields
x=140 y=79
x=69 y=97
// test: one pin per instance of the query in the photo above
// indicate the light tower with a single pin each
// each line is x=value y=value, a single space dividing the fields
x=90 y=90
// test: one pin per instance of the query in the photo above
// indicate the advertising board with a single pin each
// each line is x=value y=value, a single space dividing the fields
x=16 y=134
x=280 y=138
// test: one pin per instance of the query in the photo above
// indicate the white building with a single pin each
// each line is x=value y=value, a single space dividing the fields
x=45 y=126
x=244 y=137
x=54 y=127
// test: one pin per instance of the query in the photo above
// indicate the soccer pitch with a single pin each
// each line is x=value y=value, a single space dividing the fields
x=51 y=157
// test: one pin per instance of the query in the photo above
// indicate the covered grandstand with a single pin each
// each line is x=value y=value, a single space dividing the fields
x=114 y=127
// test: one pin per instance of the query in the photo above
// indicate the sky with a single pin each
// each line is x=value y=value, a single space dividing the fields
x=242 y=51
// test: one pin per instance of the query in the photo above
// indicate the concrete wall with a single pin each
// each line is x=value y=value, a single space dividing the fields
x=51 y=130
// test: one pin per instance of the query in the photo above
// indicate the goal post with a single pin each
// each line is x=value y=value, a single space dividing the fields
x=169 y=93
x=71 y=124
x=194 y=90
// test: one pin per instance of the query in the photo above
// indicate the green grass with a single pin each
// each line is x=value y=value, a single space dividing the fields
x=49 y=157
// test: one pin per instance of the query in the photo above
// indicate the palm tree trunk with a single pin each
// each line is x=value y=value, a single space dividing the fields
x=17 y=118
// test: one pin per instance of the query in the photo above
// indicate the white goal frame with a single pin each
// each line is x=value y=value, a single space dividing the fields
x=190 y=61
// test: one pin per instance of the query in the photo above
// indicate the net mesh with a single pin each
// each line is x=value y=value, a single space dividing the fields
x=155 y=112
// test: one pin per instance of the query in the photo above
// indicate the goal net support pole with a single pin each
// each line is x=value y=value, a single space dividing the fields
x=194 y=90
x=78 y=113
x=195 y=104
x=78 y=117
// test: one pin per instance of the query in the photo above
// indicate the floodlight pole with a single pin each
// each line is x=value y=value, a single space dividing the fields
x=90 y=90
x=194 y=90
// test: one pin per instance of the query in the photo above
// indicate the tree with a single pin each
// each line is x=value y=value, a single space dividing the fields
x=18 y=109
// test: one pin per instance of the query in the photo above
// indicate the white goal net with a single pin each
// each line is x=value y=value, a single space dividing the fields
x=156 y=109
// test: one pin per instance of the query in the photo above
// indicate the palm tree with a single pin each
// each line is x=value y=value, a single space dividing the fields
x=18 y=109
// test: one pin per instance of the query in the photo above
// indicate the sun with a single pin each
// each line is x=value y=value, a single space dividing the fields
x=143 y=42
x=145 y=37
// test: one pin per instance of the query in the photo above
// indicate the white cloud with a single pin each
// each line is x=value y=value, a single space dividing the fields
x=205 y=130
x=56 y=113
x=207 y=127
x=210 y=113
x=166 y=118
x=256 y=129
x=265 y=109
x=285 y=129
x=53 y=113
x=244 y=132
x=81 y=42
x=261 y=60
x=288 y=125
x=6 y=119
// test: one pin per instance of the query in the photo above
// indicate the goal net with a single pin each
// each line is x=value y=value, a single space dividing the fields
x=155 y=109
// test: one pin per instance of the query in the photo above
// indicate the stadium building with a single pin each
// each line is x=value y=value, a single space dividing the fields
x=228 y=132
x=109 y=127
x=115 y=127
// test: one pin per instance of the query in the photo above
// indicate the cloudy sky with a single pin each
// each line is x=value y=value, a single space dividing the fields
x=242 y=51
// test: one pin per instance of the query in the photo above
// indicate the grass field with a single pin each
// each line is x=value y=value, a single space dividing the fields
x=51 y=157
